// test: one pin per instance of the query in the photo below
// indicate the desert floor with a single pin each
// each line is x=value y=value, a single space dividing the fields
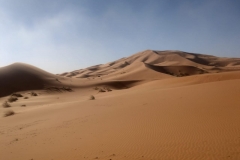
x=155 y=120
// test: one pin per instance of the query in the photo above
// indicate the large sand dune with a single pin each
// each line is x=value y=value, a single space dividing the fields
x=173 y=63
x=152 y=105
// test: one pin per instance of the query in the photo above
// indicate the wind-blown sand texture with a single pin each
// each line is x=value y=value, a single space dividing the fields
x=168 y=105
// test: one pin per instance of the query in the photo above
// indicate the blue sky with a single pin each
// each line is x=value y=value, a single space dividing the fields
x=65 y=35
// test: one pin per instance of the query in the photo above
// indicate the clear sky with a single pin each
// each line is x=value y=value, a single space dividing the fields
x=65 y=35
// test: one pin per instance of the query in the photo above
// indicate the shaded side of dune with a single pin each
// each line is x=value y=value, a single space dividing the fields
x=22 y=77
x=19 y=82
x=120 y=84
x=177 y=71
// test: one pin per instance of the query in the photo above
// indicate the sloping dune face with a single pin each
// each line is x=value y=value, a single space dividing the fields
x=20 y=77
x=165 y=64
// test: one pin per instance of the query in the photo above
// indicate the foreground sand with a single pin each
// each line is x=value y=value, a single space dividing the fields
x=149 y=121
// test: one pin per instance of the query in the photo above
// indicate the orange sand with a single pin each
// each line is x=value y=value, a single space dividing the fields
x=163 y=105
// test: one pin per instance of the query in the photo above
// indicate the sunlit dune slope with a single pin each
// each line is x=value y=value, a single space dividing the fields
x=158 y=65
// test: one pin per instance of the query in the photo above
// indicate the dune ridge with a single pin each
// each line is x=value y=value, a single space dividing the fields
x=165 y=59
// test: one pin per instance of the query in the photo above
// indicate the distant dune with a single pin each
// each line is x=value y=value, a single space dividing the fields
x=166 y=63
x=152 y=105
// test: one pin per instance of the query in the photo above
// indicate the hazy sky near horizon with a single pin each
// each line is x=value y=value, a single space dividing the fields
x=65 y=35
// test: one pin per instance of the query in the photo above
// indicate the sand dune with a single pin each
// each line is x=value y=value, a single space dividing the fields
x=151 y=105
x=17 y=77
x=169 y=60
x=21 y=77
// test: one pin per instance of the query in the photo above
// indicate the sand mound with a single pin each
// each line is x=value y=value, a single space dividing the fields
x=164 y=62
x=21 y=77
x=136 y=71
